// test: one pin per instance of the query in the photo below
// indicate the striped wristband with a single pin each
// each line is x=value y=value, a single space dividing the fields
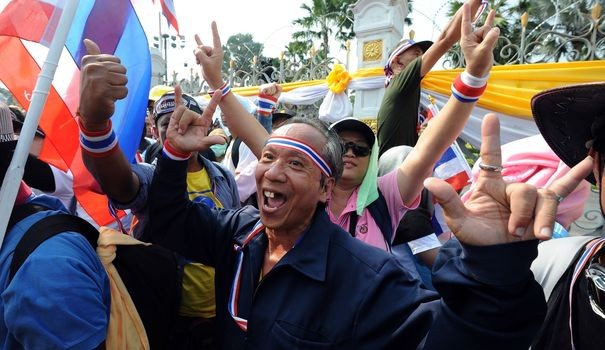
x=467 y=88
x=225 y=89
x=266 y=104
x=98 y=144
x=172 y=153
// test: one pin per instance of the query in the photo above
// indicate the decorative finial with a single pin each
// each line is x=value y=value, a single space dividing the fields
x=524 y=19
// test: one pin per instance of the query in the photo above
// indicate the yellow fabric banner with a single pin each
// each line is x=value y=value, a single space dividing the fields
x=509 y=88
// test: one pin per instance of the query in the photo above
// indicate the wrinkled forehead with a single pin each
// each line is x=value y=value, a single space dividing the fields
x=304 y=139
x=303 y=133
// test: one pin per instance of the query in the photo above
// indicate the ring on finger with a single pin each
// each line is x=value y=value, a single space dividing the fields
x=559 y=198
x=489 y=167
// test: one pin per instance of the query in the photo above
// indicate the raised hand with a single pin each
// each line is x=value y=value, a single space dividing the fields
x=210 y=58
x=187 y=130
x=478 y=44
x=271 y=89
x=498 y=212
x=102 y=82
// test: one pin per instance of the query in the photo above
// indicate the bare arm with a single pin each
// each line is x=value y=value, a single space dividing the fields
x=102 y=82
x=443 y=130
x=448 y=37
x=239 y=120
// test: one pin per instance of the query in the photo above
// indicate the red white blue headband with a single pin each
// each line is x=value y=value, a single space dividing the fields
x=288 y=142
x=388 y=69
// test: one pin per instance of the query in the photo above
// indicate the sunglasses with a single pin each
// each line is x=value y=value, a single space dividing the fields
x=595 y=276
x=358 y=150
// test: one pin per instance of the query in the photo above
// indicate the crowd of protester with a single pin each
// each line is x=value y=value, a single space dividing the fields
x=291 y=233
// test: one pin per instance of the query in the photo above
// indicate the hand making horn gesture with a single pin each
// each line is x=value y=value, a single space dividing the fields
x=499 y=212
x=478 y=44
x=210 y=58
x=187 y=130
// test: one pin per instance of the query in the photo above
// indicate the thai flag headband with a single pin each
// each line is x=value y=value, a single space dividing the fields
x=300 y=146
x=388 y=70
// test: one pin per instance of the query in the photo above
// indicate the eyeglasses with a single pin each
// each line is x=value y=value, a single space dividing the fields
x=595 y=276
x=358 y=150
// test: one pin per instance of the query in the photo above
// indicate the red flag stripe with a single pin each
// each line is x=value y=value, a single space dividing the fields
x=57 y=122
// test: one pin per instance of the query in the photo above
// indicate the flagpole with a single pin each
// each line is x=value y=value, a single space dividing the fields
x=14 y=174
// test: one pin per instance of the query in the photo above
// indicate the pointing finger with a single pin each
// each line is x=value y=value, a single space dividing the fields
x=198 y=41
x=216 y=39
x=491 y=154
x=211 y=107
x=568 y=183
x=466 y=25
x=178 y=96
x=489 y=22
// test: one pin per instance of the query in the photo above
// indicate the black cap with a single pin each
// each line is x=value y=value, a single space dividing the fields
x=355 y=124
x=281 y=115
x=18 y=117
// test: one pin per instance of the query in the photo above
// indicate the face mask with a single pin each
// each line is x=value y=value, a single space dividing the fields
x=219 y=150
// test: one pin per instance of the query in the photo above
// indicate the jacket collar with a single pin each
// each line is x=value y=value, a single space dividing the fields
x=210 y=167
x=310 y=255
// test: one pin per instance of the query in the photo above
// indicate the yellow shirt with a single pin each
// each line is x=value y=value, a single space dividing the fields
x=198 y=279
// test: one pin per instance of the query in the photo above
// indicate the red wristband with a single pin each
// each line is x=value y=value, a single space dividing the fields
x=173 y=153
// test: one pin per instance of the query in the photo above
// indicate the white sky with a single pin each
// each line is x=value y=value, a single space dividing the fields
x=269 y=21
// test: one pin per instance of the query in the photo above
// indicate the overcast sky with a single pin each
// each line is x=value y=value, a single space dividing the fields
x=269 y=21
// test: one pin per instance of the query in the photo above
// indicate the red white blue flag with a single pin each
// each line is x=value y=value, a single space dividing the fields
x=169 y=12
x=115 y=27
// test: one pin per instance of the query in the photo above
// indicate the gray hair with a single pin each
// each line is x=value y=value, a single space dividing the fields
x=332 y=151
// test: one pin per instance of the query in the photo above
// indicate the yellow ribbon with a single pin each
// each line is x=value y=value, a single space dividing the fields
x=338 y=79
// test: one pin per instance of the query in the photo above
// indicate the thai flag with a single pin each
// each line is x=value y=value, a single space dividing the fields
x=169 y=12
x=453 y=168
x=114 y=25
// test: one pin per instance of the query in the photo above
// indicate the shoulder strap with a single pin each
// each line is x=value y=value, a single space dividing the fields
x=235 y=151
x=46 y=228
x=152 y=152
x=380 y=212
x=353 y=223
x=22 y=211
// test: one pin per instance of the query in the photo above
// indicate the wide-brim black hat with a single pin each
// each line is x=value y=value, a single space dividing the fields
x=565 y=117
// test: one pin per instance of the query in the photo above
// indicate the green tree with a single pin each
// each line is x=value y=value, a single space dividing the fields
x=241 y=49
x=325 y=19
x=298 y=50
x=7 y=97
x=563 y=16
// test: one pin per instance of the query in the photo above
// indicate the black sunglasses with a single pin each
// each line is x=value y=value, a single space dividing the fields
x=358 y=150
x=595 y=276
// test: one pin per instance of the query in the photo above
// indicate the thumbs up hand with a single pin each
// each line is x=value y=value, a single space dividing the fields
x=102 y=82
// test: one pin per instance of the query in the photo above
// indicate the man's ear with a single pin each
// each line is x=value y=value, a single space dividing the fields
x=326 y=189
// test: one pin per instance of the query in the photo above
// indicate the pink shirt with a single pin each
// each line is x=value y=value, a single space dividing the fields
x=366 y=229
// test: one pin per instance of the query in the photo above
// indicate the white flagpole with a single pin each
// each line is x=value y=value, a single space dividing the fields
x=14 y=174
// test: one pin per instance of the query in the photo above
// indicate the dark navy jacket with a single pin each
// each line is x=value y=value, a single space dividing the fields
x=333 y=291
